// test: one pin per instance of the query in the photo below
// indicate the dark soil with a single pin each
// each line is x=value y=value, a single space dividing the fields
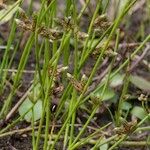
x=16 y=143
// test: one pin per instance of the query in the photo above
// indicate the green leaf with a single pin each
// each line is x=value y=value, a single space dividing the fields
x=138 y=112
x=117 y=80
x=37 y=110
x=140 y=82
x=109 y=94
x=126 y=106
x=104 y=146
x=35 y=93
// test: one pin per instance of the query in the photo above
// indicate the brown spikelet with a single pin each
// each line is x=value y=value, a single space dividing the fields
x=126 y=128
x=76 y=84
x=30 y=25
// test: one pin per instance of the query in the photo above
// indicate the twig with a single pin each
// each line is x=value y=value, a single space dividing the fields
x=127 y=143
x=140 y=58
x=21 y=131
x=15 y=71
x=128 y=45
x=146 y=63
x=135 y=143
x=13 y=110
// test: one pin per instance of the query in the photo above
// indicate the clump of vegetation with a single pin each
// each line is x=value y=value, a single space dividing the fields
x=72 y=80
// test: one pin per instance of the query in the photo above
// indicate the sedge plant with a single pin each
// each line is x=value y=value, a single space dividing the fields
x=61 y=49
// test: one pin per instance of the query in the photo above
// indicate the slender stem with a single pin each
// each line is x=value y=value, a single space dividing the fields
x=90 y=29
